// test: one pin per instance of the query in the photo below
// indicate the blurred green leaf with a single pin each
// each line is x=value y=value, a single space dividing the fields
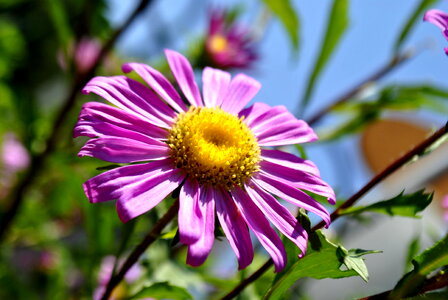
x=431 y=296
x=353 y=260
x=336 y=27
x=60 y=22
x=411 y=21
x=401 y=205
x=163 y=290
x=413 y=249
x=285 y=12
x=424 y=264
x=322 y=260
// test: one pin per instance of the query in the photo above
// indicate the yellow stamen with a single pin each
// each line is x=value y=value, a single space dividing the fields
x=218 y=43
x=214 y=147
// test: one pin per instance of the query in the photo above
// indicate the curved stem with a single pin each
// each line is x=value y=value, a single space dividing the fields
x=37 y=161
x=417 y=150
x=396 y=61
x=140 y=248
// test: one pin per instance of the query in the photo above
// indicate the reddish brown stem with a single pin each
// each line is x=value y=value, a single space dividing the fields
x=417 y=150
x=38 y=161
x=140 y=248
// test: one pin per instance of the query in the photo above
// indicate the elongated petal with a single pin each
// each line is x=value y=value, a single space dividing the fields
x=298 y=179
x=242 y=89
x=98 y=119
x=132 y=97
x=199 y=251
x=289 y=160
x=158 y=83
x=251 y=113
x=215 y=86
x=292 y=195
x=124 y=150
x=438 y=18
x=234 y=228
x=279 y=216
x=144 y=194
x=190 y=215
x=184 y=75
x=258 y=223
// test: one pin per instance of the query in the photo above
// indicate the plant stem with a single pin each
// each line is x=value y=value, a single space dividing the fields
x=396 y=61
x=38 y=160
x=140 y=248
x=417 y=150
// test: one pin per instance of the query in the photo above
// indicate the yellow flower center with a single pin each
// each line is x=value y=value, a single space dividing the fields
x=218 y=43
x=214 y=147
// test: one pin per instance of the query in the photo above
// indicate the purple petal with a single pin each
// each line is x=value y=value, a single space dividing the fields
x=242 y=89
x=215 y=86
x=97 y=119
x=292 y=195
x=199 y=251
x=133 y=97
x=438 y=18
x=190 y=216
x=258 y=223
x=298 y=179
x=124 y=150
x=252 y=112
x=143 y=195
x=289 y=160
x=130 y=184
x=279 y=216
x=182 y=71
x=234 y=228
x=158 y=83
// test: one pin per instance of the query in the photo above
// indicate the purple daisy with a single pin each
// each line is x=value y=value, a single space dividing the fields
x=213 y=149
x=440 y=19
x=228 y=45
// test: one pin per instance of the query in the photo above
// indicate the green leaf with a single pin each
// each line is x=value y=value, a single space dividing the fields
x=401 y=205
x=353 y=260
x=336 y=27
x=163 y=290
x=412 y=20
x=321 y=261
x=431 y=296
x=427 y=262
x=285 y=12
x=413 y=249
x=60 y=22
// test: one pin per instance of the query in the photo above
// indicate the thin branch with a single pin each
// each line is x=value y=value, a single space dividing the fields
x=437 y=282
x=417 y=150
x=37 y=161
x=396 y=61
x=140 y=248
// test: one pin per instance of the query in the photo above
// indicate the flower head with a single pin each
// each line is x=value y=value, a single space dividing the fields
x=227 y=44
x=440 y=19
x=212 y=149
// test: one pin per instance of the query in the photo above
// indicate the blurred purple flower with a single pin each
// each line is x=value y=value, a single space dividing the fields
x=105 y=272
x=14 y=155
x=211 y=150
x=85 y=53
x=228 y=44
x=440 y=19
x=445 y=206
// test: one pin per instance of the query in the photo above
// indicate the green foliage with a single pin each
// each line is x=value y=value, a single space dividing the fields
x=336 y=27
x=424 y=264
x=162 y=290
x=415 y=17
x=323 y=260
x=401 y=205
x=394 y=97
x=285 y=12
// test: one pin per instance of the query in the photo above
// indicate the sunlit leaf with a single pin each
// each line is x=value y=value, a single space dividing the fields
x=336 y=27
x=424 y=264
x=415 y=17
x=353 y=260
x=163 y=290
x=401 y=205
x=322 y=260
x=285 y=12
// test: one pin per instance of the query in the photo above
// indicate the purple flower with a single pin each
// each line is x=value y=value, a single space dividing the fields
x=440 y=19
x=214 y=150
x=85 y=53
x=228 y=45
x=445 y=207
x=14 y=155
